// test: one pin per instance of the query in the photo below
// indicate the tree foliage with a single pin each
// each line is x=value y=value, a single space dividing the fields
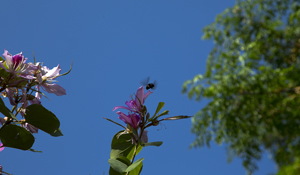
x=252 y=81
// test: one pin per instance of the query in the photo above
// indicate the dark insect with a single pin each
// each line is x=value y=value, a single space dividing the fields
x=148 y=85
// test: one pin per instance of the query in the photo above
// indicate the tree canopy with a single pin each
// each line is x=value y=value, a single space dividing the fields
x=252 y=82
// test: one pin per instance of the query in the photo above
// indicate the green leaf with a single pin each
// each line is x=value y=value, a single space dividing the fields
x=117 y=165
x=139 y=149
x=152 y=144
x=159 y=106
x=16 y=137
x=123 y=160
x=134 y=165
x=122 y=146
x=57 y=133
x=5 y=111
x=137 y=170
x=114 y=172
x=42 y=118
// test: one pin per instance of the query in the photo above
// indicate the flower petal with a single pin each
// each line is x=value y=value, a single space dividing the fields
x=124 y=117
x=53 y=72
x=26 y=76
x=32 y=129
x=10 y=95
x=135 y=120
x=54 y=88
x=121 y=107
x=146 y=95
x=8 y=58
x=139 y=97
x=38 y=95
x=17 y=60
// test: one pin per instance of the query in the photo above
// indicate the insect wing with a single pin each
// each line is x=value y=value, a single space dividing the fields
x=155 y=85
x=145 y=81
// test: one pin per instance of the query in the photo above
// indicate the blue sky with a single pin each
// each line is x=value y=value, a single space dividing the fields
x=114 y=45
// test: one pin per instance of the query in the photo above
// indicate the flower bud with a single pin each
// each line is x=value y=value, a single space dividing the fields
x=143 y=110
x=147 y=116
x=155 y=122
x=144 y=137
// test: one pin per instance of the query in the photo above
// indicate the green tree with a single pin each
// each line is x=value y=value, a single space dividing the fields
x=252 y=82
x=292 y=169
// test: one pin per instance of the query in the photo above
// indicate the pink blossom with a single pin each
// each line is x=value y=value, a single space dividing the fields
x=135 y=106
x=46 y=79
x=16 y=65
x=132 y=119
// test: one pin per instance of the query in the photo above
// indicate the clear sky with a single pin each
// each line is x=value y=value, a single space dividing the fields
x=114 y=45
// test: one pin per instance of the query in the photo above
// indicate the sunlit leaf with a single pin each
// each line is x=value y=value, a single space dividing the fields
x=121 y=146
x=137 y=170
x=159 y=107
x=117 y=165
x=134 y=165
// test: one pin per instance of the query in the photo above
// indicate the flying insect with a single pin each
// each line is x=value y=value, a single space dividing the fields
x=148 y=85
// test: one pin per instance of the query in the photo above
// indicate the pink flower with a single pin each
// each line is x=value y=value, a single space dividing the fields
x=16 y=65
x=46 y=79
x=135 y=106
x=132 y=119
